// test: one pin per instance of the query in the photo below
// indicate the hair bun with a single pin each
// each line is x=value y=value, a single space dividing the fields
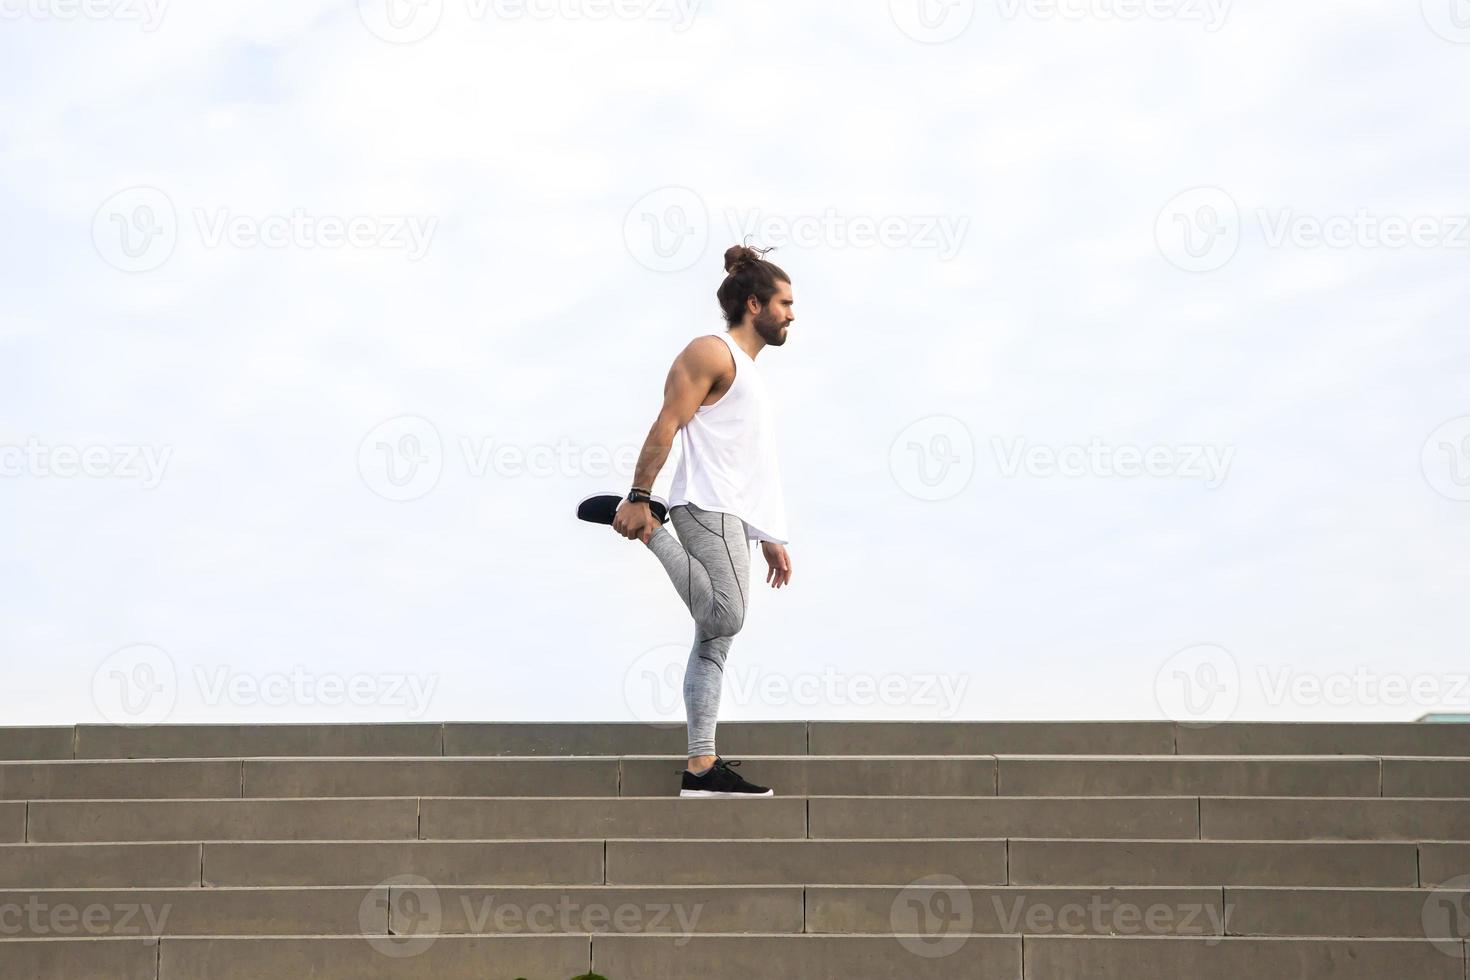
x=737 y=256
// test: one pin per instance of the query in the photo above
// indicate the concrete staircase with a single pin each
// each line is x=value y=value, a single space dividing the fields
x=1043 y=851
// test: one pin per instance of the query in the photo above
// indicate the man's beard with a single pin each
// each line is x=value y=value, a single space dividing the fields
x=770 y=328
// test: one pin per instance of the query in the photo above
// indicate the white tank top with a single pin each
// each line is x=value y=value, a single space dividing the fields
x=729 y=461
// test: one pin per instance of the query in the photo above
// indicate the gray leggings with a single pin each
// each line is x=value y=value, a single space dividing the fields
x=710 y=568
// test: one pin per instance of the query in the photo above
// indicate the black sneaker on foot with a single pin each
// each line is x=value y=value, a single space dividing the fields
x=721 y=781
x=600 y=508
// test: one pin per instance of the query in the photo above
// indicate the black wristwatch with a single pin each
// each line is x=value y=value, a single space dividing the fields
x=636 y=496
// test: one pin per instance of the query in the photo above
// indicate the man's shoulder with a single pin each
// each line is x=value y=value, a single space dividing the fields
x=706 y=351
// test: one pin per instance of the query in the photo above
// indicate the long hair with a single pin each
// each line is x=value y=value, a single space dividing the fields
x=747 y=274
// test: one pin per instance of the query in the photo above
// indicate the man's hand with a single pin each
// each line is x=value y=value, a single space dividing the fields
x=634 y=521
x=779 y=572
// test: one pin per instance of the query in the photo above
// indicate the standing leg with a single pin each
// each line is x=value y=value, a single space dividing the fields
x=709 y=565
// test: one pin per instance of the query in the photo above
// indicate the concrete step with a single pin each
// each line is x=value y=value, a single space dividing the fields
x=1440 y=864
x=152 y=779
x=431 y=739
x=415 y=910
x=987 y=816
x=37 y=743
x=1276 y=818
x=12 y=822
x=1381 y=913
x=62 y=913
x=951 y=907
x=858 y=738
x=1408 y=913
x=360 y=958
x=65 y=959
x=1427 y=777
x=1111 y=862
x=949 y=956
x=795 y=862
x=99 y=865
x=1301 y=738
x=234 y=741
x=1136 y=738
x=1096 y=957
x=1175 y=776
x=81 y=821
x=419 y=909
x=803 y=958
x=732 y=862
x=829 y=776
x=571 y=776
x=619 y=957
x=737 y=738
x=452 y=819
x=1095 y=776
x=498 y=862
x=346 y=819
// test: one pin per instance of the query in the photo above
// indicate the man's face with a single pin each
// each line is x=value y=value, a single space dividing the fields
x=772 y=321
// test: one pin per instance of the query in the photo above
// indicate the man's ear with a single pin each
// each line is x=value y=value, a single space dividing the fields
x=752 y=305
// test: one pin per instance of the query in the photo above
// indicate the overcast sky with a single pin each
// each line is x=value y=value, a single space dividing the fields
x=1130 y=376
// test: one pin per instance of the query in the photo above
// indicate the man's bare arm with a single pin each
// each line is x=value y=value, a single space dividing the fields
x=696 y=371
x=694 y=374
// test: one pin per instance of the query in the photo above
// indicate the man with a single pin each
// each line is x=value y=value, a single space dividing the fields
x=726 y=493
